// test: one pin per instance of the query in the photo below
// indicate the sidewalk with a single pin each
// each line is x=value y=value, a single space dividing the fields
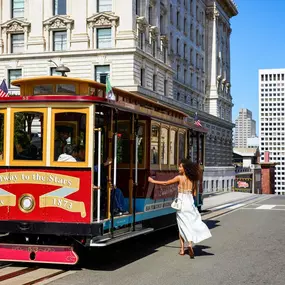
x=217 y=199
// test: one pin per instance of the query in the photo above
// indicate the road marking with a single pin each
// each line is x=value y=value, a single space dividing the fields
x=25 y=276
x=9 y=270
x=265 y=207
x=246 y=202
x=222 y=206
x=236 y=206
x=224 y=212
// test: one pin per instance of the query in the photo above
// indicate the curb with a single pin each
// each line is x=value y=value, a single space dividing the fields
x=256 y=196
x=222 y=211
x=207 y=195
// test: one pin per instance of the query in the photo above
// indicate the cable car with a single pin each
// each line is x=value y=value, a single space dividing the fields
x=74 y=166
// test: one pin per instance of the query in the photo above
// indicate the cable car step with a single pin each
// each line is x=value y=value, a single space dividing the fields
x=107 y=241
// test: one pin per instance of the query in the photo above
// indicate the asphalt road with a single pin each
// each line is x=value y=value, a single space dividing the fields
x=247 y=247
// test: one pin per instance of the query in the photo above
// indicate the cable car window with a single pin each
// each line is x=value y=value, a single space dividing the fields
x=28 y=134
x=141 y=136
x=154 y=144
x=70 y=137
x=164 y=146
x=181 y=146
x=65 y=89
x=173 y=147
x=123 y=148
x=43 y=89
x=1 y=136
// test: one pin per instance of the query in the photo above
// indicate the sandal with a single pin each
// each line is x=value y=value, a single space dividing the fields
x=191 y=252
x=181 y=252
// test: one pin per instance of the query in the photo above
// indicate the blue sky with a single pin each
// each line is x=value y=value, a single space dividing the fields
x=257 y=42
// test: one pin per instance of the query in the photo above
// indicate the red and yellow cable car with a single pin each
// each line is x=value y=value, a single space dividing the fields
x=74 y=167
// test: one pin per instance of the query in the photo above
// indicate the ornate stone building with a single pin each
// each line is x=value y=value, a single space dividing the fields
x=200 y=55
x=177 y=51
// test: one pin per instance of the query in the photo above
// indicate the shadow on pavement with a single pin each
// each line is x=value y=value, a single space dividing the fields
x=116 y=256
x=119 y=255
x=212 y=223
x=199 y=250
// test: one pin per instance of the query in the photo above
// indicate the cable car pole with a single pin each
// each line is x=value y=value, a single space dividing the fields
x=136 y=172
x=115 y=170
x=99 y=175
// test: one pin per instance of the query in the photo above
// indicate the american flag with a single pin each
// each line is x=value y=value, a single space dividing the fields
x=197 y=121
x=3 y=89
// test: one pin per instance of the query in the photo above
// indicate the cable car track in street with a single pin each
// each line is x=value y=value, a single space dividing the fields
x=27 y=274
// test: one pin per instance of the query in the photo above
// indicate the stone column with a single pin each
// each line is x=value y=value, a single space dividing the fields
x=229 y=56
x=8 y=48
x=94 y=37
x=46 y=35
x=213 y=87
x=25 y=38
x=50 y=35
x=68 y=35
x=3 y=31
x=91 y=36
x=113 y=34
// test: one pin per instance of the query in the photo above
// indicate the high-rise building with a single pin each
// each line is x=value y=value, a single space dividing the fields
x=175 y=51
x=272 y=121
x=245 y=127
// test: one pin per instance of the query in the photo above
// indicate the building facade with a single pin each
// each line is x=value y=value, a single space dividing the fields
x=253 y=142
x=271 y=121
x=177 y=51
x=245 y=127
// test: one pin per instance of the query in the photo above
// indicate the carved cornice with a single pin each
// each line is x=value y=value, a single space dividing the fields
x=212 y=14
x=58 y=23
x=229 y=6
x=103 y=19
x=15 y=25
x=164 y=40
x=152 y=3
x=154 y=31
x=142 y=23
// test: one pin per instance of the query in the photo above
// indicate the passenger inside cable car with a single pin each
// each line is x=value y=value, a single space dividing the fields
x=24 y=150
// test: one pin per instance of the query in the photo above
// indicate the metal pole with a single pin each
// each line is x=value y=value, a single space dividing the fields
x=253 y=181
x=99 y=175
x=136 y=174
x=115 y=173
x=115 y=159
x=136 y=159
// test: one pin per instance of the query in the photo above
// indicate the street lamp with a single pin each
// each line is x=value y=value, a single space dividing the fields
x=62 y=68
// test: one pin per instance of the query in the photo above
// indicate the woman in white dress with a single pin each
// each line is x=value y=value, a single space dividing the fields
x=191 y=227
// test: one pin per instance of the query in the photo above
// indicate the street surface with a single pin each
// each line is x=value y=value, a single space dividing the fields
x=247 y=247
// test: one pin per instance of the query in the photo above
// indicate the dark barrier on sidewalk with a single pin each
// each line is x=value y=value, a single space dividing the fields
x=249 y=182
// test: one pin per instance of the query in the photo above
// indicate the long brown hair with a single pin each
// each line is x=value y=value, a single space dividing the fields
x=192 y=170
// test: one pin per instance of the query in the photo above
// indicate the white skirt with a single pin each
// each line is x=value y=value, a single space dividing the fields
x=190 y=224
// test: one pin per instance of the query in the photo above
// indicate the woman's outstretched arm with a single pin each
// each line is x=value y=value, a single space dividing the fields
x=168 y=182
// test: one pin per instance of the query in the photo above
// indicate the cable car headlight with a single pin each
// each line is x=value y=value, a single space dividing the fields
x=27 y=203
